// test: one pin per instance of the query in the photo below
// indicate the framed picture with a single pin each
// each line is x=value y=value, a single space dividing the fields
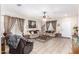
x=32 y=24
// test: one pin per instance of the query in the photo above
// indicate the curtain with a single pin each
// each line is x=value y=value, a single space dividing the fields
x=9 y=23
x=20 y=23
x=47 y=25
x=54 y=25
x=15 y=29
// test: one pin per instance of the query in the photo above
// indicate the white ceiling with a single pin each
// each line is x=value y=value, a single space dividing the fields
x=53 y=10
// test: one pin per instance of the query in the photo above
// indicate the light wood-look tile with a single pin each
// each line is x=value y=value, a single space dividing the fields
x=53 y=46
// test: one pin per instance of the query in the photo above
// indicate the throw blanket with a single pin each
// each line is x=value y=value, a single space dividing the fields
x=14 y=40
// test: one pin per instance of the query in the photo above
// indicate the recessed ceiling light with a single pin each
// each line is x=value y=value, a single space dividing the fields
x=19 y=5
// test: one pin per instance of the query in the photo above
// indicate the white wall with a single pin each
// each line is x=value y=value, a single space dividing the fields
x=58 y=28
x=78 y=22
x=65 y=28
x=0 y=28
x=0 y=19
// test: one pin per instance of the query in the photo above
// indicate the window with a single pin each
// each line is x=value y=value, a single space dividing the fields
x=15 y=29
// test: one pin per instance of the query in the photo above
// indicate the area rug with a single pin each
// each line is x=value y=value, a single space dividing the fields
x=43 y=38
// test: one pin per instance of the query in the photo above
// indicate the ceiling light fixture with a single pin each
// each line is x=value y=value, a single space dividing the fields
x=44 y=16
